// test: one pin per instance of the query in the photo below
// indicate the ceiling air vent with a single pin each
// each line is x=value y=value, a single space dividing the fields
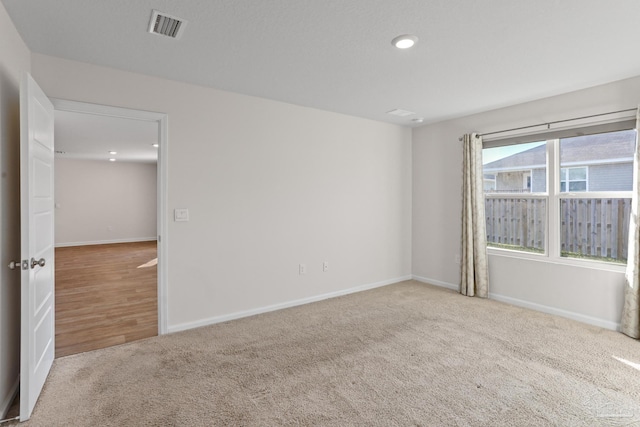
x=166 y=25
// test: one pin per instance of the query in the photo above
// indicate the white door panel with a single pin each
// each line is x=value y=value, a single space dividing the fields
x=37 y=344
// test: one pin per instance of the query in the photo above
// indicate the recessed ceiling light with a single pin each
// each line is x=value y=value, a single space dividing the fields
x=404 y=41
x=155 y=145
x=113 y=152
x=112 y=160
x=418 y=120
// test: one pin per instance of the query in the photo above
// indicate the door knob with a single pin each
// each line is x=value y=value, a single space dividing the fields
x=41 y=262
x=14 y=264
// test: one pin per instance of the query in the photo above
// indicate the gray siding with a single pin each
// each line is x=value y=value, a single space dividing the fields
x=611 y=177
x=539 y=180
x=509 y=181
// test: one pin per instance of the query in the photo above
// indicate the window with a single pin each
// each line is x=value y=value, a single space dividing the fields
x=562 y=197
x=573 y=179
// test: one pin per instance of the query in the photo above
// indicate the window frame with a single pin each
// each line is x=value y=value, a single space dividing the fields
x=568 y=181
x=553 y=196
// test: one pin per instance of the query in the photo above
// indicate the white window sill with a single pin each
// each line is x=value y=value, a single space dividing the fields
x=574 y=262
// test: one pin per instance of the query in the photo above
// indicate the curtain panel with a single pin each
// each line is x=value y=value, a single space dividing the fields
x=630 y=323
x=474 y=267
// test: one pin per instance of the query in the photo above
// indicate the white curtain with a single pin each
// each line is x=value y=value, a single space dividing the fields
x=630 y=323
x=475 y=273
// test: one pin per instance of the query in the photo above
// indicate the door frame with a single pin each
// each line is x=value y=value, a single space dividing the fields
x=162 y=169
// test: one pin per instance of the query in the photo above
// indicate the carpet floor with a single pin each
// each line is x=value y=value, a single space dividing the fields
x=407 y=354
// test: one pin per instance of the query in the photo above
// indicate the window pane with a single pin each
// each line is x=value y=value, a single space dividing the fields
x=516 y=223
x=608 y=157
x=578 y=186
x=577 y=174
x=519 y=168
x=595 y=228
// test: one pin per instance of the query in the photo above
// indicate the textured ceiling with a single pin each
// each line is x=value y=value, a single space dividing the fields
x=336 y=55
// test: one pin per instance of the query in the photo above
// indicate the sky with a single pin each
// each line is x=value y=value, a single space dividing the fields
x=492 y=154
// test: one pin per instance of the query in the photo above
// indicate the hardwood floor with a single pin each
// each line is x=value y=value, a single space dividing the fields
x=103 y=298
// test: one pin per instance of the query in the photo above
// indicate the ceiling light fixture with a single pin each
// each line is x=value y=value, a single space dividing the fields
x=155 y=145
x=113 y=152
x=418 y=120
x=112 y=160
x=404 y=41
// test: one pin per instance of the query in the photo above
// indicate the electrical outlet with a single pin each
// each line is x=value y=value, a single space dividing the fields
x=325 y=266
x=303 y=269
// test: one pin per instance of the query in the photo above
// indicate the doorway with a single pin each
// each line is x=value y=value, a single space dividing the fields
x=115 y=267
x=106 y=294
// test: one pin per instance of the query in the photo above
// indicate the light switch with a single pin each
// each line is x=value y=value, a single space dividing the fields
x=181 y=215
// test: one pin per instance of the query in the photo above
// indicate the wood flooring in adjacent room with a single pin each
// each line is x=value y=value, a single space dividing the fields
x=105 y=295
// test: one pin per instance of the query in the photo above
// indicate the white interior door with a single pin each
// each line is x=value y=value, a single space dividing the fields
x=37 y=345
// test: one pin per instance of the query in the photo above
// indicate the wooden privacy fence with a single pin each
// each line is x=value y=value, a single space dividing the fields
x=516 y=222
x=594 y=228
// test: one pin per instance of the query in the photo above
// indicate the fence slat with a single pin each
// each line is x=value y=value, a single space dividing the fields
x=615 y=236
x=603 y=227
x=593 y=235
x=584 y=237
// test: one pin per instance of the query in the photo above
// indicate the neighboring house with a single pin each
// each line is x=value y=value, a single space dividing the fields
x=601 y=162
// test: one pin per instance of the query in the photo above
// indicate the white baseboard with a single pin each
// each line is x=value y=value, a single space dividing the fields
x=437 y=283
x=5 y=404
x=106 y=242
x=509 y=300
x=274 y=307
x=606 y=324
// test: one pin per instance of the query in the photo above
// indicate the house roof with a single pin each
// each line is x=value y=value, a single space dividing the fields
x=600 y=148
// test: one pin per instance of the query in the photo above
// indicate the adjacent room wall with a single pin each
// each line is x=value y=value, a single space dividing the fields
x=15 y=59
x=104 y=202
x=268 y=186
x=586 y=294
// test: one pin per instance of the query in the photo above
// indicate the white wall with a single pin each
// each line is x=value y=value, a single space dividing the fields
x=586 y=294
x=268 y=185
x=14 y=60
x=104 y=202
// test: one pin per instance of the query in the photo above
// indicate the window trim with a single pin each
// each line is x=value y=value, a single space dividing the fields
x=615 y=125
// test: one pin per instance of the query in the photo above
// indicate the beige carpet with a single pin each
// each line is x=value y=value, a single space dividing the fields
x=404 y=355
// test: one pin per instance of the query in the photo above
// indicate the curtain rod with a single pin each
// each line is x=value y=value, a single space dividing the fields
x=548 y=124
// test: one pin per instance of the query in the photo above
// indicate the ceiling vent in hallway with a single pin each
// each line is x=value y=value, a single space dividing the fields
x=166 y=25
